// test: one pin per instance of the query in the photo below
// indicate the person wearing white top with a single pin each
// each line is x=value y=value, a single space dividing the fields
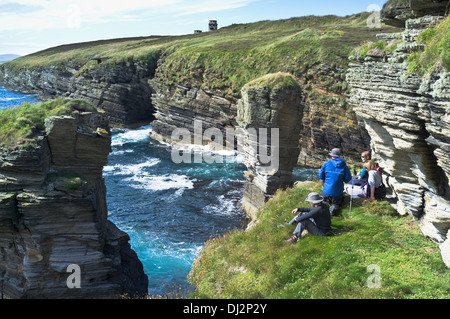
x=374 y=181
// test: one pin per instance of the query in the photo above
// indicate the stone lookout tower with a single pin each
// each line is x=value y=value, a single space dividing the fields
x=212 y=25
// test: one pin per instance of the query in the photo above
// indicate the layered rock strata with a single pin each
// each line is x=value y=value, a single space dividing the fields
x=53 y=214
x=408 y=120
x=179 y=106
x=121 y=90
x=397 y=12
x=324 y=126
x=270 y=119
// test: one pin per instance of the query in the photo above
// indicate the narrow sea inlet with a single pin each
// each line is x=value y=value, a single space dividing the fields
x=169 y=210
x=10 y=99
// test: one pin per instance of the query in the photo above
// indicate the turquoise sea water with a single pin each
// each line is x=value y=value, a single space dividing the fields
x=169 y=210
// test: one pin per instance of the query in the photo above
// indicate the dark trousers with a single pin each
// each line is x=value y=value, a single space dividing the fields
x=310 y=225
x=337 y=201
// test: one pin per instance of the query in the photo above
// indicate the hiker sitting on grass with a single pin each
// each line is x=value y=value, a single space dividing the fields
x=316 y=219
x=373 y=189
x=362 y=177
x=375 y=181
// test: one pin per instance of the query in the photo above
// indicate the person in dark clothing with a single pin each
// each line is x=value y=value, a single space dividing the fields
x=316 y=219
x=334 y=174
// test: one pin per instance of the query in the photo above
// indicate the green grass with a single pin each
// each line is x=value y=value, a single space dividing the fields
x=388 y=47
x=228 y=59
x=259 y=263
x=223 y=60
x=436 y=54
x=20 y=126
x=70 y=180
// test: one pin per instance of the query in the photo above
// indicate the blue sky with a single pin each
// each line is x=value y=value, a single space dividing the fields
x=28 y=26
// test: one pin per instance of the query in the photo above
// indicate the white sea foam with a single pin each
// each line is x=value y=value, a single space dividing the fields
x=225 y=155
x=132 y=136
x=225 y=206
x=121 y=152
x=136 y=169
x=158 y=183
x=6 y=99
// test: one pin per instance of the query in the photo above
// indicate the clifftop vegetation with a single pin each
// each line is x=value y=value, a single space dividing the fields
x=20 y=126
x=226 y=59
x=258 y=263
x=436 y=53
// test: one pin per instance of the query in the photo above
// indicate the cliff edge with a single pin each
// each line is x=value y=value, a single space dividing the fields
x=55 y=238
x=400 y=91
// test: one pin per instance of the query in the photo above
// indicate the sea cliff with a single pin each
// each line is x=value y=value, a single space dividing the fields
x=407 y=116
x=177 y=80
x=53 y=211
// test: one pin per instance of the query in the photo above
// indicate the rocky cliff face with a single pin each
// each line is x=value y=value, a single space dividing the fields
x=407 y=118
x=270 y=118
x=53 y=214
x=178 y=106
x=396 y=12
x=325 y=125
x=121 y=90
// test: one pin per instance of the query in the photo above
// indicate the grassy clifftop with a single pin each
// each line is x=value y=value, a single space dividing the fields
x=371 y=253
x=436 y=53
x=20 y=126
x=223 y=60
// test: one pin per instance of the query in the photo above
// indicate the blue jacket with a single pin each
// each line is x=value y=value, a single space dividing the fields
x=334 y=173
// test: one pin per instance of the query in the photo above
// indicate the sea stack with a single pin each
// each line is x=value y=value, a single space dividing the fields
x=271 y=104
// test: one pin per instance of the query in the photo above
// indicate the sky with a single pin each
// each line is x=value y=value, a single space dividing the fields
x=28 y=26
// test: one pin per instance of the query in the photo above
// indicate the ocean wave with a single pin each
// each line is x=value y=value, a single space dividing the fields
x=222 y=155
x=132 y=136
x=134 y=169
x=226 y=205
x=7 y=99
x=158 y=183
x=114 y=153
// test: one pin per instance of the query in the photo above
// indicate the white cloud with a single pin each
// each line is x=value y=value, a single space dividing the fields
x=213 y=6
x=48 y=14
x=68 y=13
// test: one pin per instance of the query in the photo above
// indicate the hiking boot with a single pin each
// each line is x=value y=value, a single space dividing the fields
x=333 y=210
x=293 y=239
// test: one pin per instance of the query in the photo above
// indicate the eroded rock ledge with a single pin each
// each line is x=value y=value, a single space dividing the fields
x=408 y=120
x=53 y=214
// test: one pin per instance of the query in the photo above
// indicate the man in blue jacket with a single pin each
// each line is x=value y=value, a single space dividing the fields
x=334 y=174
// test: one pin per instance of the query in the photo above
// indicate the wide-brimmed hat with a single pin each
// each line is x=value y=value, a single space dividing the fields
x=335 y=152
x=314 y=198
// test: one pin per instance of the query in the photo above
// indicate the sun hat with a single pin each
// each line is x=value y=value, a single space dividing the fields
x=314 y=198
x=335 y=152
